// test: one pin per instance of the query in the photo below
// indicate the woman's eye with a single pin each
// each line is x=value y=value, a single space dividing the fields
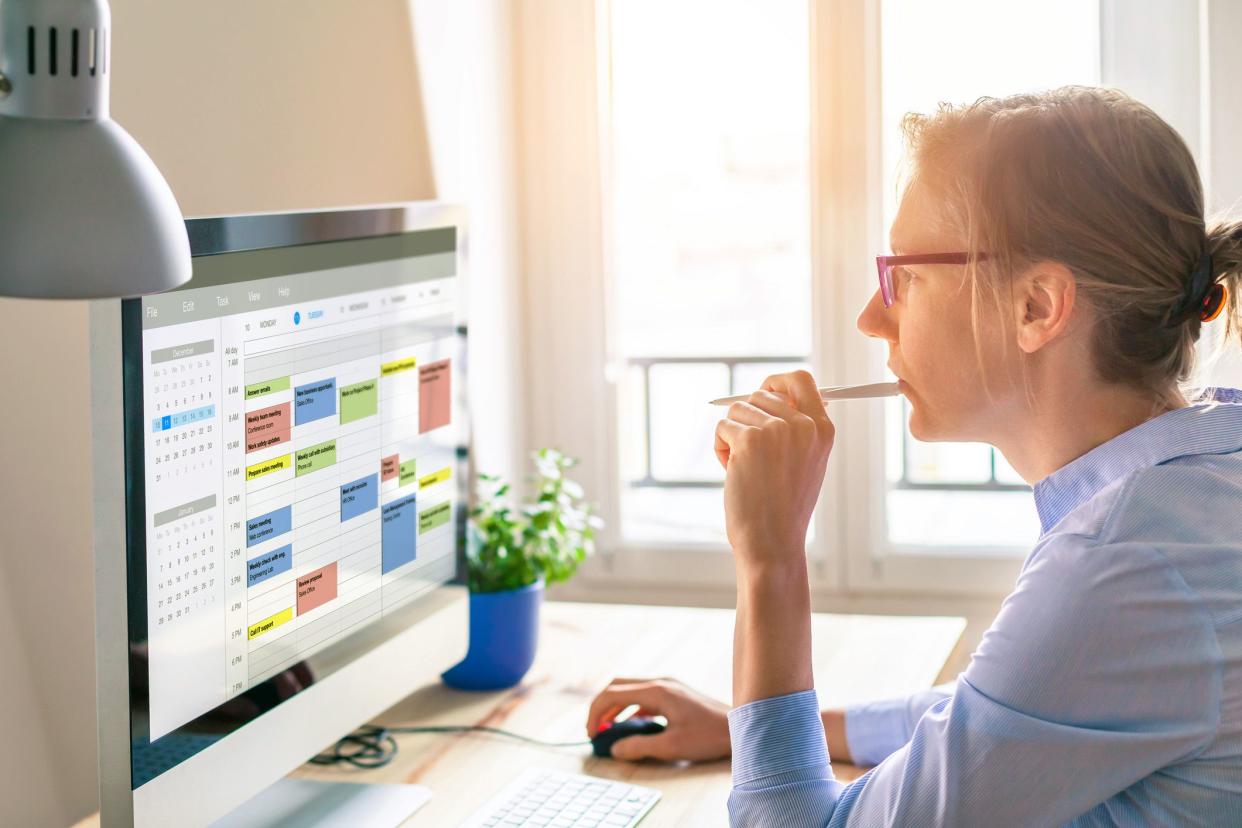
x=901 y=278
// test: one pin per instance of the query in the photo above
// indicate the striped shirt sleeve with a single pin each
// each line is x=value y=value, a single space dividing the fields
x=876 y=729
x=781 y=774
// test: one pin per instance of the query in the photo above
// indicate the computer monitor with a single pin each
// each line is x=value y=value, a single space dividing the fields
x=278 y=456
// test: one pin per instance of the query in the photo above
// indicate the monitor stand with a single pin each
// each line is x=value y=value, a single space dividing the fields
x=303 y=803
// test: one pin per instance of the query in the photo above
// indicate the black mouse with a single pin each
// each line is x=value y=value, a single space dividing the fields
x=633 y=726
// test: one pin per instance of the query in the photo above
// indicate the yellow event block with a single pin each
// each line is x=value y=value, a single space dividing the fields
x=270 y=623
x=397 y=366
x=268 y=466
x=434 y=478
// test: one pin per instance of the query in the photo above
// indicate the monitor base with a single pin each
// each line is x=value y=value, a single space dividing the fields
x=303 y=803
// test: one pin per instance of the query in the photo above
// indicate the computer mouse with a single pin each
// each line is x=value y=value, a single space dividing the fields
x=634 y=726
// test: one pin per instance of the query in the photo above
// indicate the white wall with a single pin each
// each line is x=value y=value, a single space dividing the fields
x=246 y=107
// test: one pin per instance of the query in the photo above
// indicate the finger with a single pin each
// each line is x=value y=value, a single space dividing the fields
x=604 y=708
x=633 y=680
x=749 y=414
x=606 y=718
x=594 y=716
x=615 y=699
x=775 y=405
x=661 y=745
x=799 y=387
x=727 y=434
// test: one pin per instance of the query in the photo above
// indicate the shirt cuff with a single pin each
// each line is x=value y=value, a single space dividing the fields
x=777 y=735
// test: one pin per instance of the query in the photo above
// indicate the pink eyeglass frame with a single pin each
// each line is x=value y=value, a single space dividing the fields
x=885 y=265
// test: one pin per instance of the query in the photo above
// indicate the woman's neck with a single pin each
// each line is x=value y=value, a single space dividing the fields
x=1068 y=422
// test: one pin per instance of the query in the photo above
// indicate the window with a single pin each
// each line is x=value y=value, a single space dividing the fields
x=949 y=496
x=707 y=211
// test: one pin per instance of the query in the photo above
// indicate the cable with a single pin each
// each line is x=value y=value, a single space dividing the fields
x=373 y=746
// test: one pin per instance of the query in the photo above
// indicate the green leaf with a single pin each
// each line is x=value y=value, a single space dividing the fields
x=512 y=546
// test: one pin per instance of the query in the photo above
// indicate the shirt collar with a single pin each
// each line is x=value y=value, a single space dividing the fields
x=1204 y=428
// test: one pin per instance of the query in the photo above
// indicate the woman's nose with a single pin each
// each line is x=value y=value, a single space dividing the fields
x=877 y=320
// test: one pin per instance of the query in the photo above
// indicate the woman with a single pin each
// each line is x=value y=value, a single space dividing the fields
x=1061 y=328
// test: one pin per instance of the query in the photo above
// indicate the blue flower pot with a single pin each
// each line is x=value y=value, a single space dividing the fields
x=504 y=633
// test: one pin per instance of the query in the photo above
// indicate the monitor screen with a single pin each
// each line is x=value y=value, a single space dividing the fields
x=291 y=466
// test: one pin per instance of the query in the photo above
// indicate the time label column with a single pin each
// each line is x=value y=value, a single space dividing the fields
x=234 y=436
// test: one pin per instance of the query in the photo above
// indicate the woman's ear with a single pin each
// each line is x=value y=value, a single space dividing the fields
x=1044 y=297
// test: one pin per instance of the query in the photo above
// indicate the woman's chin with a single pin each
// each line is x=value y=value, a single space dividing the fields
x=916 y=426
x=920 y=428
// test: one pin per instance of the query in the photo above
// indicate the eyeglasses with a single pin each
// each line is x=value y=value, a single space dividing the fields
x=885 y=265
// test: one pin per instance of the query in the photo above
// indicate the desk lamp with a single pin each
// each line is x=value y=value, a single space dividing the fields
x=84 y=212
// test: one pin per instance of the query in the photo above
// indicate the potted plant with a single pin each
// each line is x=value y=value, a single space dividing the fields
x=511 y=556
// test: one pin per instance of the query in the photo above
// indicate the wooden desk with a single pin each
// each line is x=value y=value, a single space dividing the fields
x=583 y=646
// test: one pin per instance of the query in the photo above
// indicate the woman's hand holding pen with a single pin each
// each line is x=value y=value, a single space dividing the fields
x=774 y=449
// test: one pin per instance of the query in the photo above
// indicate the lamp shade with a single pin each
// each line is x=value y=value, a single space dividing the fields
x=84 y=212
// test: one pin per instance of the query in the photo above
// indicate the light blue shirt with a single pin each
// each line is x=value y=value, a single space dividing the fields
x=1108 y=691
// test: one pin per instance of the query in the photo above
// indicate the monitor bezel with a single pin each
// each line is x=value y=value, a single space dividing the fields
x=213 y=781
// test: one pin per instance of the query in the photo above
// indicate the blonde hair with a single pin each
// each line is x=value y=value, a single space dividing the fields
x=1093 y=179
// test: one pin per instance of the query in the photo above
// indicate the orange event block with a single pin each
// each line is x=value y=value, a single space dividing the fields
x=267 y=427
x=316 y=588
x=435 y=398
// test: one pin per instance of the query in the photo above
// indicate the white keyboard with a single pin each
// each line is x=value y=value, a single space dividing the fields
x=564 y=800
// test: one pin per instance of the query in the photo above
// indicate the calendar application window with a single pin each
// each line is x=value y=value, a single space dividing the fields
x=299 y=448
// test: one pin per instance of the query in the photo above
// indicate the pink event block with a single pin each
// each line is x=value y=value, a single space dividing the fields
x=316 y=588
x=267 y=427
x=435 y=400
x=390 y=467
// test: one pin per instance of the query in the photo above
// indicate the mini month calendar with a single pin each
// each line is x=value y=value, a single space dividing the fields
x=185 y=576
x=183 y=399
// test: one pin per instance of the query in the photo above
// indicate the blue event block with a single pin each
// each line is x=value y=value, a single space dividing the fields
x=359 y=497
x=269 y=564
x=314 y=401
x=268 y=526
x=399 y=533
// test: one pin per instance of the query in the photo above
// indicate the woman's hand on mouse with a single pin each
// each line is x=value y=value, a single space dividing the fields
x=698 y=726
x=774 y=448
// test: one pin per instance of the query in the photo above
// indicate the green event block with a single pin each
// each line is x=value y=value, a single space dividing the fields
x=408 y=472
x=359 y=400
x=271 y=386
x=437 y=515
x=316 y=457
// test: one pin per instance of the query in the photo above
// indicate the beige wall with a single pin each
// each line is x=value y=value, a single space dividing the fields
x=278 y=105
x=47 y=650
x=246 y=107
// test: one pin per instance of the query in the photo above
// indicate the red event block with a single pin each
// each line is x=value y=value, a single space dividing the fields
x=316 y=588
x=435 y=401
x=390 y=467
x=267 y=427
